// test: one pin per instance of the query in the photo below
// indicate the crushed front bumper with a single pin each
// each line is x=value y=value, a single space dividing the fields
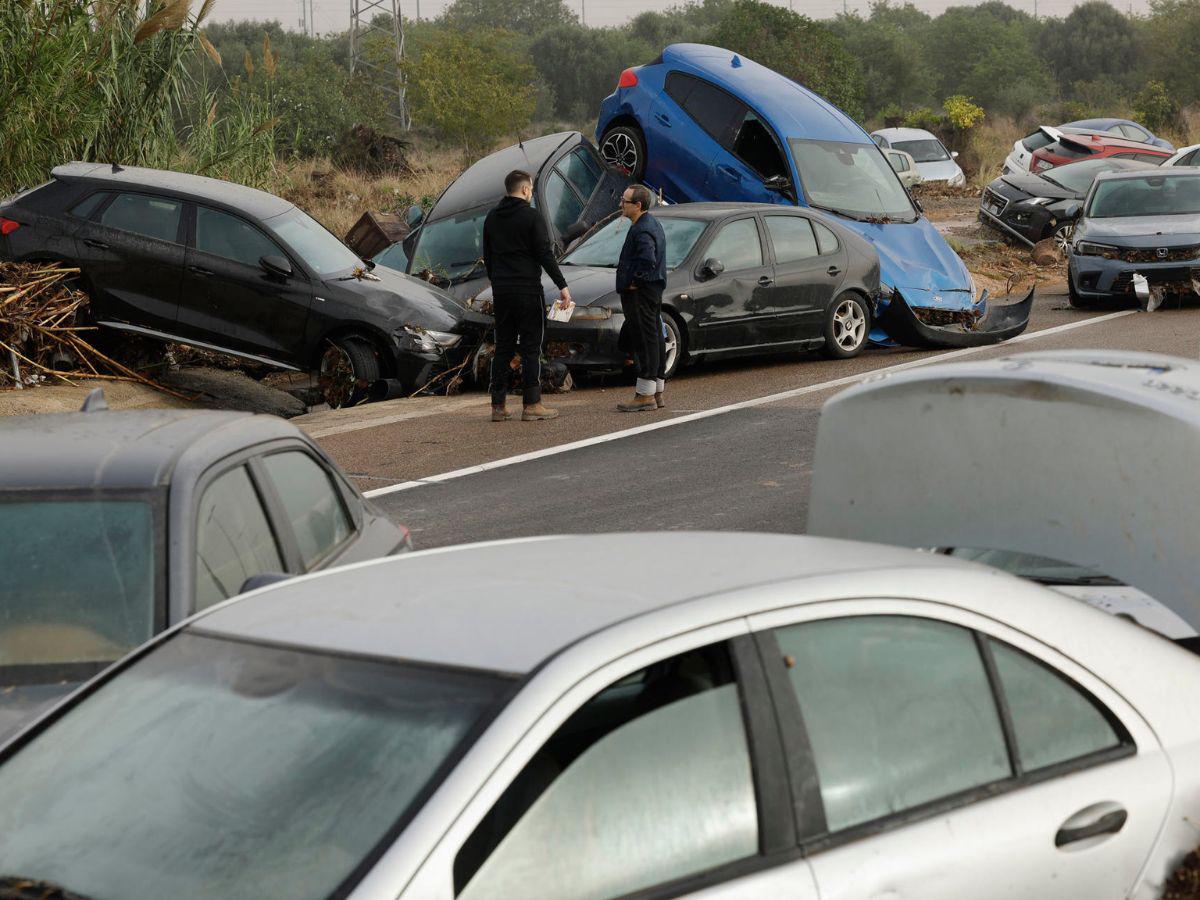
x=979 y=325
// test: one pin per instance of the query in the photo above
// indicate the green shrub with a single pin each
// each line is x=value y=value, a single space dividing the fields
x=1155 y=108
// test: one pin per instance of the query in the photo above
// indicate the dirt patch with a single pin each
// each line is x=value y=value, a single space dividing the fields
x=1001 y=267
x=942 y=202
x=1184 y=883
x=50 y=398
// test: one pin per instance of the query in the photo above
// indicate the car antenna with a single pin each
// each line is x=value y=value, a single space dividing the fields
x=95 y=401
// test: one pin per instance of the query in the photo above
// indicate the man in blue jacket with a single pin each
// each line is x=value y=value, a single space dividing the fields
x=641 y=278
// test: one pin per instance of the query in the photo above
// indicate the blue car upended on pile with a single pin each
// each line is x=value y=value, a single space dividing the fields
x=702 y=123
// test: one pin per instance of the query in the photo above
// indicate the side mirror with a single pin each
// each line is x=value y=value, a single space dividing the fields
x=778 y=183
x=414 y=216
x=915 y=202
x=1072 y=211
x=954 y=154
x=712 y=268
x=276 y=265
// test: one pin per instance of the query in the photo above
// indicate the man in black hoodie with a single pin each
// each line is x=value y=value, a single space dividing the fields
x=516 y=248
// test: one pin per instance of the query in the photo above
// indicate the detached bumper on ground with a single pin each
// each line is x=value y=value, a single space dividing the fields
x=920 y=325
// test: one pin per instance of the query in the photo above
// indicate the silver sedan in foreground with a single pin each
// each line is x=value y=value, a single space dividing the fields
x=702 y=715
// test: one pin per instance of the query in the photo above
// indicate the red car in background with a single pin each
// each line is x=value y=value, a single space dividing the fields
x=1071 y=148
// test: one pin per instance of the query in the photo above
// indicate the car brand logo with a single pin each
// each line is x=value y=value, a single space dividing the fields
x=1161 y=252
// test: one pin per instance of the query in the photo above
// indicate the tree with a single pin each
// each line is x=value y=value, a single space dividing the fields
x=805 y=51
x=1095 y=42
x=892 y=60
x=1171 y=48
x=597 y=55
x=691 y=22
x=471 y=87
x=525 y=17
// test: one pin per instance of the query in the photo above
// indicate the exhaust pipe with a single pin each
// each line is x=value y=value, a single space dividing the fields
x=385 y=389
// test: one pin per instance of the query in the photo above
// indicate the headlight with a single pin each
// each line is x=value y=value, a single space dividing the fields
x=958 y=179
x=1039 y=201
x=591 y=314
x=431 y=341
x=1087 y=248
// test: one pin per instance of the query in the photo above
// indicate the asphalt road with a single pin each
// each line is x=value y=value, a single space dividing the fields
x=746 y=469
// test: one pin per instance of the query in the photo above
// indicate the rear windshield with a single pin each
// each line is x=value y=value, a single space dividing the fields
x=1154 y=195
x=1066 y=151
x=1036 y=141
x=1078 y=177
x=79 y=582
x=214 y=768
x=928 y=150
x=603 y=248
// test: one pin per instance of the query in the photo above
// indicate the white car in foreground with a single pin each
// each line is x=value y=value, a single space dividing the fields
x=934 y=161
x=665 y=715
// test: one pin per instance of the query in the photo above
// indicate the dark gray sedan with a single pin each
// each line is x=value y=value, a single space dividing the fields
x=117 y=525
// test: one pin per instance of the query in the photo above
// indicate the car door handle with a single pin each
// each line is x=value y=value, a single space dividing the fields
x=1101 y=818
x=833 y=271
x=766 y=281
x=92 y=242
x=201 y=271
x=732 y=173
x=663 y=119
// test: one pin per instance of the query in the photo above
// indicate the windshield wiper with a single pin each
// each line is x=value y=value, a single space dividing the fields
x=841 y=212
x=475 y=266
x=14 y=887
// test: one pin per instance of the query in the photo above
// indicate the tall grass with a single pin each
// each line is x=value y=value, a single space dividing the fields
x=108 y=81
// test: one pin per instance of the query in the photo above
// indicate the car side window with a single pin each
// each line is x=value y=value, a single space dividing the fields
x=899 y=712
x=312 y=502
x=827 y=241
x=754 y=145
x=649 y=781
x=1053 y=720
x=582 y=170
x=1191 y=159
x=737 y=246
x=562 y=203
x=88 y=205
x=879 y=139
x=899 y=163
x=228 y=236
x=717 y=112
x=233 y=538
x=679 y=86
x=1149 y=157
x=153 y=217
x=792 y=237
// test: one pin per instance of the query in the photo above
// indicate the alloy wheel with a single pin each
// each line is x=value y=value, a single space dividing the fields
x=1062 y=238
x=849 y=325
x=620 y=151
x=672 y=345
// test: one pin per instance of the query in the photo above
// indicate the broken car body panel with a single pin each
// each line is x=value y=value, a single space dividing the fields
x=691 y=161
x=1088 y=457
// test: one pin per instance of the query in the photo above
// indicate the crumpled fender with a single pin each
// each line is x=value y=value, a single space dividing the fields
x=995 y=323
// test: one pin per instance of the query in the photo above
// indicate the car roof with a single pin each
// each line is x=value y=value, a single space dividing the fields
x=793 y=110
x=1169 y=172
x=483 y=182
x=1104 y=123
x=906 y=134
x=121 y=448
x=253 y=202
x=509 y=606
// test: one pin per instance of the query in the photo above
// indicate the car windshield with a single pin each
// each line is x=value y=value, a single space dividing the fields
x=80 y=583
x=451 y=249
x=1152 y=195
x=927 y=150
x=1078 y=177
x=852 y=179
x=393 y=257
x=323 y=252
x=259 y=771
x=603 y=248
x=1035 y=568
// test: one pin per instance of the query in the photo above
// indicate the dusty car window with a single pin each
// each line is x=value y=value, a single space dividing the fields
x=228 y=236
x=647 y=782
x=85 y=207
x=1036 y=141
x=604 y=247
x=927 y=150
x=562 y=204
x=79 y=582
x=394 y=257
x=155 y=217
x=1154 y=195
x=737 y=246
x=324 y=253
x=1078 y=177
x=715 y=111
x=792 y=237
x=450 y=248
x=314 y=507
x=853 y=179
x=899 y=712
x=899 y=163
x=213 y=768
x=582 y=171
x=233 y=539
x=826 y=239
x=1053 y=720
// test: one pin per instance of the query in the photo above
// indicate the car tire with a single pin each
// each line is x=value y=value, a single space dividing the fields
x=847 y=326
x=624 y=149
x=347 y=369
x=1062 y=238
x=676 y=344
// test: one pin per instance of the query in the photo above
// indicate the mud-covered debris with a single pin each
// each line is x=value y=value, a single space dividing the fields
x=1046 y=253
x=371 y=152
x=1184 y=883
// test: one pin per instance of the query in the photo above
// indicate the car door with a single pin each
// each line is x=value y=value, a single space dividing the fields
x=688 y=121
x=131 y=252
x=806 y=279
x=749 y=159
x=956 y=757
x=733 y=305
x=231 y=301
x=597 y=188
x=314 y=509
x=657 y=775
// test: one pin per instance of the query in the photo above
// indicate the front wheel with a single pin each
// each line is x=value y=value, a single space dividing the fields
x=847 y=325
x=1062 y=238
x=674 y=344
x=624 y=148
x=348 y=368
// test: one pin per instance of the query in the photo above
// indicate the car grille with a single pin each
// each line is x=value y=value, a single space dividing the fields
x=1150 y=254
x=993 y=202
x=1180 y=276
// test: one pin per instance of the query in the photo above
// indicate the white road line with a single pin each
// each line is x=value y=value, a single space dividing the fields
x=733 y=407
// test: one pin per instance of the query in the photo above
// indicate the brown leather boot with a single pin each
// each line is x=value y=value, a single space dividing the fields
x=538 y=412
x=659 y=401
x=640 y=403
x=500 y=414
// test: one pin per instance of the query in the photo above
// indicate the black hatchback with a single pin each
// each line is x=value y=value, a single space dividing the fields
x=221 y=266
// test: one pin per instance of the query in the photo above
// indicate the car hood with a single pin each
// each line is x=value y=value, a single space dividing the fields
x=404 y=299
x=913 y=256
x=943 y=170
x=21 y=704
x=1167 y=231
x=1033 y=186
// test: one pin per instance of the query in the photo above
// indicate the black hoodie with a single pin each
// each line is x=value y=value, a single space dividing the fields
x=516 y=247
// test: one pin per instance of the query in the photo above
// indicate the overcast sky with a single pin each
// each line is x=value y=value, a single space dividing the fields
x=334 y=15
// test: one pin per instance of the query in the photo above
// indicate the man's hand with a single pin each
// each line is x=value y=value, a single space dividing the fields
x=564 y=298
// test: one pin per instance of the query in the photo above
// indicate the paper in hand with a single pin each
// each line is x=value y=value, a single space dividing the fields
x=557 y=314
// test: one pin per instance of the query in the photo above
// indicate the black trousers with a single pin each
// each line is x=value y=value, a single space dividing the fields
x=643 y=313
x=520 y=323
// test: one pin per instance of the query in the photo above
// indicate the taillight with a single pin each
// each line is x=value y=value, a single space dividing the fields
x=8 y=226
x=628 y=79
